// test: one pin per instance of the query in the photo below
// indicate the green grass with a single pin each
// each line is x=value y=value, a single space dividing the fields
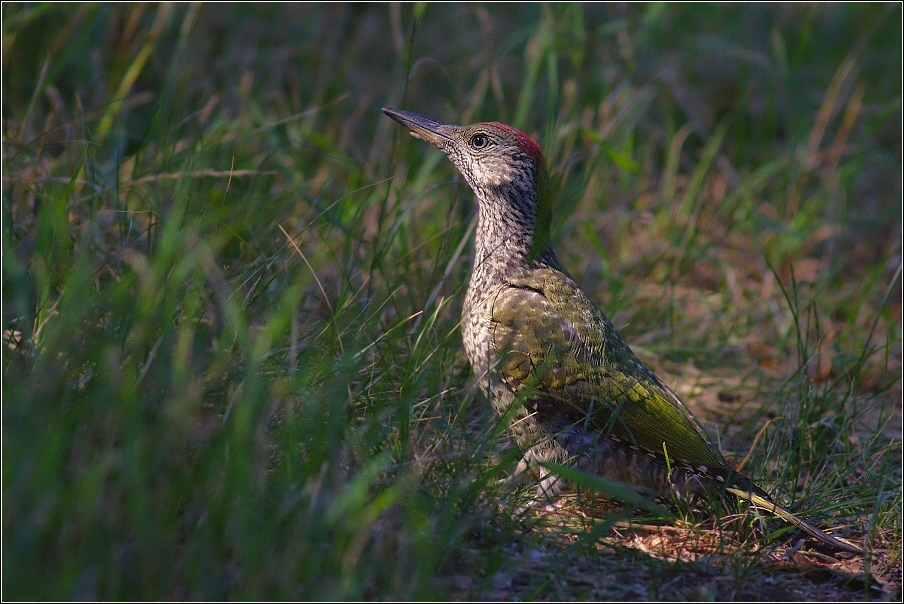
x=231 y=291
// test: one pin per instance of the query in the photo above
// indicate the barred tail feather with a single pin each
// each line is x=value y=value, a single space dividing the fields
x=770 y=506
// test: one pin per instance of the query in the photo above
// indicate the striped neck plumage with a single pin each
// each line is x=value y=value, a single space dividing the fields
x=513 y=225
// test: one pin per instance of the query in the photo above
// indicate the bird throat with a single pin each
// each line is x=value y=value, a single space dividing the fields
x=512 y=235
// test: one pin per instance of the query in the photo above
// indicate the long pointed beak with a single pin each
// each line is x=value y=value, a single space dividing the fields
x=423 y=127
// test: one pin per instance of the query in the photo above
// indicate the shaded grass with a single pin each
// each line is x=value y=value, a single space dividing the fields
x=231 y=290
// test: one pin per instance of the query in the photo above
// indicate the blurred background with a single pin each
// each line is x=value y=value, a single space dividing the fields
x=231 y=287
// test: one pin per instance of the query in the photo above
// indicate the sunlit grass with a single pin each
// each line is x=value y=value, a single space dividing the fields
x=231 y=291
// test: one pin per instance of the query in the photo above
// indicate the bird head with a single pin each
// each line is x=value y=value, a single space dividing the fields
x=504 y=167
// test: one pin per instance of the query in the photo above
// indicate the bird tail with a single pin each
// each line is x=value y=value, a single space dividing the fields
x=764 y=502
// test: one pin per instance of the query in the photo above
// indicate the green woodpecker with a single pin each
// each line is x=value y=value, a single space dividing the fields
x=549 y=359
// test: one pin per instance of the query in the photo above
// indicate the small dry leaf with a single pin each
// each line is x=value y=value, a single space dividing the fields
x=819 y=368
x=13 y=339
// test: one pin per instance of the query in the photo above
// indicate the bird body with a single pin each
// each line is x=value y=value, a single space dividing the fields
x=548 y=358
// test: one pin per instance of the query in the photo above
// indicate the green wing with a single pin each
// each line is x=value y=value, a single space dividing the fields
x=556 y=345
x=554 y=341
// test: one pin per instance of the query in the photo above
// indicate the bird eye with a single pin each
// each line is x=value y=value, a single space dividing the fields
x=479 y=141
